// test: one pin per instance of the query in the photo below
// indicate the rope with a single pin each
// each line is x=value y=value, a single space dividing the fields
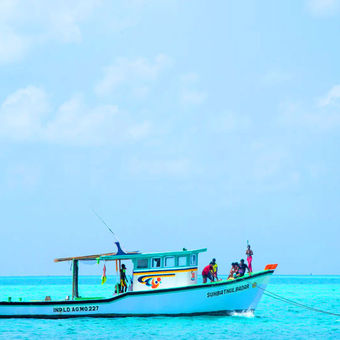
x=292 y=302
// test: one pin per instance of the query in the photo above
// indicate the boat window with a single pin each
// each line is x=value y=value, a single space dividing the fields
x=142 y=263
x=193 y=260
x=182 y=260
x=169 y=261
x=156 y=262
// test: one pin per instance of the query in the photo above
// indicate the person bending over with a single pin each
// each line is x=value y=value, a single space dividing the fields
x=207 y=273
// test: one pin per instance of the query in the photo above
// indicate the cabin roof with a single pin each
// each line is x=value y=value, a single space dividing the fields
x=128 y=255
x=94 y=257
x=144 y=255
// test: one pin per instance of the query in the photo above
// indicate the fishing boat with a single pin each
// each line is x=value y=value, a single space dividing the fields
x=162 y=284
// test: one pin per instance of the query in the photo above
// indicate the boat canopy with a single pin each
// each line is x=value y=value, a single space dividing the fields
x=97 y=257
x=127 y=256
x=137 y=255
x=121 y=255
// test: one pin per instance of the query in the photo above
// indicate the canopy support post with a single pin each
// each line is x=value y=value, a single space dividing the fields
x=75 y=293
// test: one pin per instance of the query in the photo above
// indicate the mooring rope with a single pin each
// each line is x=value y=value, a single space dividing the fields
x=292 y=302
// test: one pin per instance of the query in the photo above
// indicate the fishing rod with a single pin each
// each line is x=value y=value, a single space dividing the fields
x=102 y=220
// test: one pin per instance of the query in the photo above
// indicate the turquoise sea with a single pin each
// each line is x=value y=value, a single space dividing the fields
x=273 y=319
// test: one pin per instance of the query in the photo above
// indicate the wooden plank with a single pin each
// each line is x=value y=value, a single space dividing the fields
x=75 y=292
x=89 y=257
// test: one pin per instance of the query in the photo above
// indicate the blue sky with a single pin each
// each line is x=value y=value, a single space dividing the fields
x=183 y=123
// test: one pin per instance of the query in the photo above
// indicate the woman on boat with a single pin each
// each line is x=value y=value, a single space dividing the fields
x=249 y=254
x=207 y=273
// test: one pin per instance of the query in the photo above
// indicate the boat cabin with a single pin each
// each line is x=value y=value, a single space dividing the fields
x=150 y=270
x=164 y=270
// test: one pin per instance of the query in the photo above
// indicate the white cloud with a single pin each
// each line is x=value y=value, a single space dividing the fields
x=274 y=77
x=24 y=24
x=173 y=167
x=12 y=46
x=137 y=75
x=324 y=115
x=332 y=97
x=26 y=116
x=139 y=131
x=318 y=119
x=229 y=122
x=63 y=18
x=22 y=113
x=190 y=94
x=189 y=79
x=193 y=97
x=323 y=7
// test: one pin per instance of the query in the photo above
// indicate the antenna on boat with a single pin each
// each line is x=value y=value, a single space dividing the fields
x=102 y=220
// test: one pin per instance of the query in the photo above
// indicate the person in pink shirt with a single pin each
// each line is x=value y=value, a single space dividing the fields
x=249 y=254
x=207 y=273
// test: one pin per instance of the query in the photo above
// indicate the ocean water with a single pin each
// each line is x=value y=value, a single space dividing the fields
x=273 y=319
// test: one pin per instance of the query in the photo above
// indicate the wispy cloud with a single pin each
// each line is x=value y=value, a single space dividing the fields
x=23 y=112
x=323 y=7
x=229 y=122
x=137 y=75
x=190 y=92
x=26 y=115
x=24 y=24
x=12 y=45
x=275 y=76
x=332 y=97
x=163 y=167
x=320 y=117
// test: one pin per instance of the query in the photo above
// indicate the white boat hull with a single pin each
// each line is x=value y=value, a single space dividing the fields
x=219 y=298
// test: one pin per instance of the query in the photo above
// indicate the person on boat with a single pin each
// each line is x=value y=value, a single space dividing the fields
x=242 y=269
x=233 y=271
x=123 y=279
x=207 y=273
x=249 y=254
x=215 y=268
